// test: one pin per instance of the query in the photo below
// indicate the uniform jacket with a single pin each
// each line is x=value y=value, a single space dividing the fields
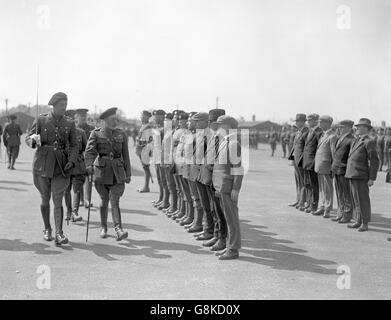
x=206 y=169
x=178 y=150
x=87 y=129
x=187 y=141
x=58 y=145
x=11 y=134
x=80 y=167
x=341 y=153
x=324 y=153
x=107 y=150
x=298 y=146
x=227 y=165
x=144 y=137
x=310 y=147
x=363 y=160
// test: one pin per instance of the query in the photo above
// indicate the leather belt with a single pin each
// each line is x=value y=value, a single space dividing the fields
x=110 y=156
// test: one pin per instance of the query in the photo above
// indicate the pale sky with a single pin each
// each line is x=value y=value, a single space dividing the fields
x=270 y=58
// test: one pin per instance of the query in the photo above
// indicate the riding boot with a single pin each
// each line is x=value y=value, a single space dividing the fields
x=13 y=163
x=190 y=215
x=121 y=234
x=197 y=222
x=58 y=220
x=75 y=211
x=103 y=221
x=45 y=212
x=68 y=204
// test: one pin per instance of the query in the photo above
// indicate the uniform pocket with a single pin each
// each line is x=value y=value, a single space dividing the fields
x=40 y=159
x=121 y=175
x=99 y=169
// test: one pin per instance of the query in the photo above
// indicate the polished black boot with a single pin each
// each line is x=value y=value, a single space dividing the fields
x=120 y=234
x=60 y=238
x=45 y=212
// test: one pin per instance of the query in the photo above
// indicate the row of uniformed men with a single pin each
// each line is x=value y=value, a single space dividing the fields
x=321 y=155
x=201 y=196
x=64 y=157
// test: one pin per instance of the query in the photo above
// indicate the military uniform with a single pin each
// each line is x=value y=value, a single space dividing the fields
x=78 y=177
x=273 y=137
x=227 y=179
x=143 y=150
x=56 y=151
x=11 y=139
x=380 y=142
x=107 y=152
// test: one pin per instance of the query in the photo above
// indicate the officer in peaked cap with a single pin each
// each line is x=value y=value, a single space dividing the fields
x=11 y=139
x=55 y=136
x=107 y=158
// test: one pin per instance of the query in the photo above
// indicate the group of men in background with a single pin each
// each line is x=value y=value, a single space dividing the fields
x=199 y=181
x=345 y=155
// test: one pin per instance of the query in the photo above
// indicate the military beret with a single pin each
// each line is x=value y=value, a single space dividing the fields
x=168 y=116
x=301 y=117
x=215 y=113
x=201 y=116
x=364 y=122
x=326 y=119
x=313 y=116
x=183 y=116
x=146 y=113
x=108 y=113
x=70 y=113
x=13 y=116
x=227 y=120
x=82 y=111
x=346 y=123
x=57 y=97
x=158 y=112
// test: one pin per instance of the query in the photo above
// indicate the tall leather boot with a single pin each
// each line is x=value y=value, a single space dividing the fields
x=190 y=214
x=180 y=214
x=13 y=163
x=147 y=178
x=58 y=220
x=9 y=161
x=47 y=233
x=197 y=222
x=166 y=199
x=174 y=201
x=170 y=213
x=121 y=234
x=182 y=211
x=75 y=208
x=103 y=211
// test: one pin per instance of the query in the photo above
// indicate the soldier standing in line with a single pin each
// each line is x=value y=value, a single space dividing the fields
x=218 y=242
x=78 y=174
x=54 y=136
x=380 y=147
x=190 y=173
x=284 y=140
x=11 y=139
x=107 y=159
x=186 y=205
x=296 y=156
x=310 y=176
x=227 y=179
x=81 y=122
x=158 y=120
x=142 y=148
x=202 y=136
x=340 y=159
x=361 y=170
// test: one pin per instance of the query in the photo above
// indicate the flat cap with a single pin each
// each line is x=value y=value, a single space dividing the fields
x=326 y=118
x=168 y=116
x=158 y=112
x=82 y=111
x=146 y=113
x=364 y=122
x=301 y=117
x=227 y=120
x=108 y=113
x=346 y=123
x=13 y=116
x=183 y=116
x=57 y=97
x=313 y=116
x=215 y=113
x=201 y=116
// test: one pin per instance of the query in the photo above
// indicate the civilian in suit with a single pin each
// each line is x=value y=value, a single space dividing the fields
x=296 y=154
x=310 y=177
x=323 y=161
x=340 y=159
x=362 y=167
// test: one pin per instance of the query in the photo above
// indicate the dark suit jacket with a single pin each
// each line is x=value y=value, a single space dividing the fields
x=363 y=161
x=296 y=153
x=341 y=154
x=310 y=147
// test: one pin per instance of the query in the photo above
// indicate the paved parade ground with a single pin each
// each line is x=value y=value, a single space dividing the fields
x=286 y=254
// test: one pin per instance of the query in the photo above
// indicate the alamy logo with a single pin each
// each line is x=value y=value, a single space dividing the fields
x=44 y=280
x=344 y=281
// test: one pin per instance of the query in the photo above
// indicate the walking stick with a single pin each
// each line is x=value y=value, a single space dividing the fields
x=89 y=204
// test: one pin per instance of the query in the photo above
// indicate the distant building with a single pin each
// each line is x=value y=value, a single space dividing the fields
x=259 y=130
x=25 y=121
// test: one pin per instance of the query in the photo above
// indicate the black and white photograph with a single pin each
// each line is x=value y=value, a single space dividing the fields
x=195 y=150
